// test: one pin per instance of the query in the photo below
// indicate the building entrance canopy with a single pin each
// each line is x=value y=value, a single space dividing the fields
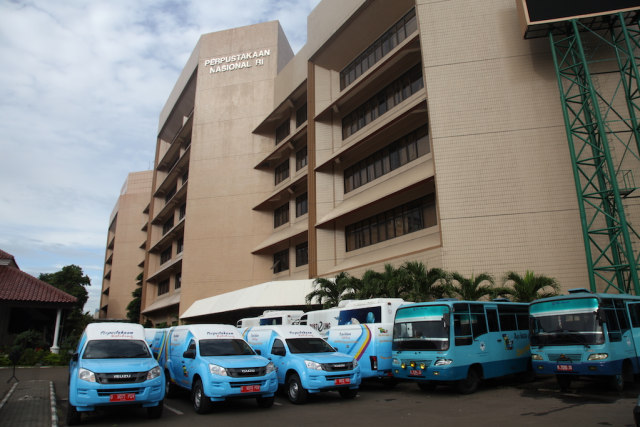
x=269 y=294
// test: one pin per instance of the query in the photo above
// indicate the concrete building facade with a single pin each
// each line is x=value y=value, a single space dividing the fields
x=412 y=130
x=126 y=242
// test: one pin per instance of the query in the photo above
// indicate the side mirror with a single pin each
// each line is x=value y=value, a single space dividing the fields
x=258 y=352
x=74 y=357
x=189 y=354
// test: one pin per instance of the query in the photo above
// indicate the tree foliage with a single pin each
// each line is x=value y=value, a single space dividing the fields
x=133 y=308
x=472 y=288
x=329 y=292
x=529 y=287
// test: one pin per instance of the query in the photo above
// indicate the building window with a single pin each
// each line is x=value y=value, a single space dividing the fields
x=385 y=100
x=280 y=261
x=163 y=287
x=183 y=211
x=302 y=254
x=178 y=283
x=301 y=115
x=170 y=194
x=281 y=215
x=168 y=225
x=379 y=49
x=302 y=206
x=180 y=245
x=393 y=223
x=301 y=158
x=394 y=155
x=282 y=171
x=165 y=255
x=283 y=131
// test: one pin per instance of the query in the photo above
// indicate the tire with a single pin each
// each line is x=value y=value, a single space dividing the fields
x=170 y=389
x=265 y=402
x=155 y=412
x=295 y=392
x=616 y=382
x=73 y=416
x=469 y=384
x=201 y=403
x=564 y=381
x=426 y=385
x=348 y=393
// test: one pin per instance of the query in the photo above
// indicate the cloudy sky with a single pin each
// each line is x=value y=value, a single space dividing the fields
x=82 y=84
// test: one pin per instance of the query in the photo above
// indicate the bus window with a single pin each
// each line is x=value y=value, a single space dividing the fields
x=478 y=320
x=462 y=324
x=507 y=319
x=492 y=318
x=611 y=315
x=360 y=315
x=634 y=311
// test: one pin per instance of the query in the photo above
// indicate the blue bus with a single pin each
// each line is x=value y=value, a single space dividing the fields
x=586 y=334
x=460 y=342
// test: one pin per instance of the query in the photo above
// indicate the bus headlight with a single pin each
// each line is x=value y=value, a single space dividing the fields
x=598 y=356
x=270 y=367
x=217 y=370
x=86 y=375
x=313 y=365
x=154 y=373
x=443 y=362
x=395 y=362
x=536 y=357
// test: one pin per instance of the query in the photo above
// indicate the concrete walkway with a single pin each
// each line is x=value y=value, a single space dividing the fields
x=30 y=403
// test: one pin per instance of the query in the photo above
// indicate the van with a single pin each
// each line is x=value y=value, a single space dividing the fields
x=305 y=363
x=113 y=365
x=215 y=363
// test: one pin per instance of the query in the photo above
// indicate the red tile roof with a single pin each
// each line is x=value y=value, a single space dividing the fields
x=16 y=285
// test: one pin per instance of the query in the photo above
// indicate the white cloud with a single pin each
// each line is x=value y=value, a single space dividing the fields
x=81 y=88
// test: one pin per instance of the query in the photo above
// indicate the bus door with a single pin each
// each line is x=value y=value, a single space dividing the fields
x=470 y=328
x=633 y=309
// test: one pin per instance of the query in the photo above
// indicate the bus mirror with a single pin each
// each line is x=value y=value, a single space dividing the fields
x=601 y=316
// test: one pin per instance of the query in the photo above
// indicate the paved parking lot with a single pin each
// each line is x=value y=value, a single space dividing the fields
x=505 y=402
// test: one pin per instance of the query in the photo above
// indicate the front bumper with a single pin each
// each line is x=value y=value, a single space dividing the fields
x=86 y=396
x=219 y=388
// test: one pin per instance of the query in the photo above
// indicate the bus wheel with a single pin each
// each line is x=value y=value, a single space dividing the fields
x=427 y=385
x=296 y=393
x=617 y=382
x=201 y=403
x=469 y=384
x=564 y=381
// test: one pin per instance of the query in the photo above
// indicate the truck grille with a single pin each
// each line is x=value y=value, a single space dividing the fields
x=564 y=357
x=246 y=372
x=121 y=378
x=333 y=367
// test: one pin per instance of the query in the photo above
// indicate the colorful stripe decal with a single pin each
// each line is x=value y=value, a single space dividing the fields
x=367 y=340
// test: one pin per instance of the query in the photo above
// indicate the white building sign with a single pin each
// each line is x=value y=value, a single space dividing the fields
x=237 y=62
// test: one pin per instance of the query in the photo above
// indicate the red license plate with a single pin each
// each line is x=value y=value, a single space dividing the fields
x=415 y=373
x=249 y=388
x=564 y=368
x=122 y=397
x=342 y=381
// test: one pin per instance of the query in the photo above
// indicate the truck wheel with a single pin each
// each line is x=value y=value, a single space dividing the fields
x=265 y=402
x=469 y=384
x=201 y=403
x=170 y=389
x=73 y=416
x=564 y=381
x=155 y=411
x=296 y=393
x=348 y=393
x=617 y=382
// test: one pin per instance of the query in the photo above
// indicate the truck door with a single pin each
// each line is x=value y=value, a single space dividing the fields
x=277 y=355
x=187 y=365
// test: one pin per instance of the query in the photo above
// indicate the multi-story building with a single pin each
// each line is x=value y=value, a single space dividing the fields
x=410 y=130
x=126 y=242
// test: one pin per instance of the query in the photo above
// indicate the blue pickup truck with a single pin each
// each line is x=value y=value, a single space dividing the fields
x=215 y=363
x=305 y=362
x=113 y=365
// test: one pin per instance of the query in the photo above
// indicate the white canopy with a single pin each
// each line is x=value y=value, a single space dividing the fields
x=280 y=293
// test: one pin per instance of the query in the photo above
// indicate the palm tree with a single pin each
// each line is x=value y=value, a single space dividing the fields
x=329 y=292
x=386 y=284
x=530 y=287
x=472 y=289
x=424 y=284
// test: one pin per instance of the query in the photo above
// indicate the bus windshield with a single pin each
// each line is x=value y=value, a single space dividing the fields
x=421 y=335
x=566 y=329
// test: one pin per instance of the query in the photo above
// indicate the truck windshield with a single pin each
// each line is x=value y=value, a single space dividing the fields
x=421 y=335
x=566 y=329
x=309 y=345
x=225 y=347
x=116 y=349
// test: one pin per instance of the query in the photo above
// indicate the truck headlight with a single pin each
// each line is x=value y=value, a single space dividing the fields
x=536 y=357
x=154 y=373
x=443 y=362
x=270 y=367
x=598 y=356
x=86 y=375
x=355 y=363
x=395 y=362
x=217 y=370
x=313 y=365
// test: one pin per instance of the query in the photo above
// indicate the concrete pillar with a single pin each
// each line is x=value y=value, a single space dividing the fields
x=55 y=349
